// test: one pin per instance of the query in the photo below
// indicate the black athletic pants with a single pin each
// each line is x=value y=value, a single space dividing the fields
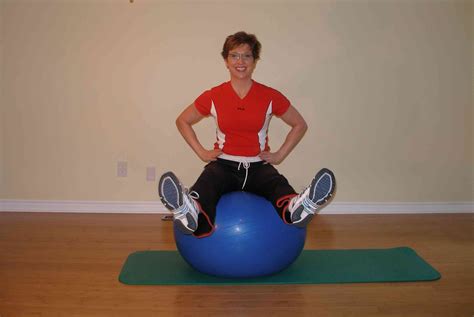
x=223 y=176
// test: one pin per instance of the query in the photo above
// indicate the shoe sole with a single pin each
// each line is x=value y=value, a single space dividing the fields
x=313 y=192
x=327 y=188
x=171 y=197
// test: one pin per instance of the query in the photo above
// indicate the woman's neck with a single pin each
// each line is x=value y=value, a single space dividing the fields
x=241 y=87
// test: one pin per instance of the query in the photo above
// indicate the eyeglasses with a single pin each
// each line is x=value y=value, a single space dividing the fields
x=245 y=57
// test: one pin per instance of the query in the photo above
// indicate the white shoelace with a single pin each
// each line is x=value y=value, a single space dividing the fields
x=309 y=205
x=246 y=165
x=303 y=200
x=194 y=194
x=188 y=204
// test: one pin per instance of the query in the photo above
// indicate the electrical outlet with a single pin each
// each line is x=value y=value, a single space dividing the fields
x=122 y=169
x=150 y=174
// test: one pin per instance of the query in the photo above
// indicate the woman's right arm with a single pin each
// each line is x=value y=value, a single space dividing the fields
x=184 y=122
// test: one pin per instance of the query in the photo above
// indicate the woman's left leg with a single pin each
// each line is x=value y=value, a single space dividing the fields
x=296 y=209
x=266 y=181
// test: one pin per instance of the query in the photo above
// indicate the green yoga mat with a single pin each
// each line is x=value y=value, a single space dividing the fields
x=312 y=267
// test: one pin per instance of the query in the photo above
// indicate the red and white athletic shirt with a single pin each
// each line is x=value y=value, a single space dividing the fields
x=242 y=124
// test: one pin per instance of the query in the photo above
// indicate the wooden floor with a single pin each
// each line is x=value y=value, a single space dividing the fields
x=68 y=264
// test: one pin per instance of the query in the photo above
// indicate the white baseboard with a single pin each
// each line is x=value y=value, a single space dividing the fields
x=82 y=206
x=157 y=207
x=399 y=208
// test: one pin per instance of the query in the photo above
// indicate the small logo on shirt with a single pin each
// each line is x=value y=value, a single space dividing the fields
x=241 y=108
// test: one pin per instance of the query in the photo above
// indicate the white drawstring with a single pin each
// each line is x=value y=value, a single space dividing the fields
x=246 y=165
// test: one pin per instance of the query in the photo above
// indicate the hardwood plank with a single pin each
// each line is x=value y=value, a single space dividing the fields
x=67 y=265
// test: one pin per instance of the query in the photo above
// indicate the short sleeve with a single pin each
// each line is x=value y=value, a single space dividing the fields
x=203 y=103
x=280 y=103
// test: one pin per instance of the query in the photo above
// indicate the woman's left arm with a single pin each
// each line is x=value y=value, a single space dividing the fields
x=298 y=128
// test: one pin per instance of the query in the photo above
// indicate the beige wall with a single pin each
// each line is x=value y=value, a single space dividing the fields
x=2 y=107
x=386 y=88
x=471 y=123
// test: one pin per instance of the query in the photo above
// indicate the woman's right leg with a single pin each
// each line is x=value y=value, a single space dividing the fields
x=216 y=180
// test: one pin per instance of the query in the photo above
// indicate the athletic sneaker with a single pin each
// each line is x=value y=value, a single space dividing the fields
x=303 y=207
x=176 y=198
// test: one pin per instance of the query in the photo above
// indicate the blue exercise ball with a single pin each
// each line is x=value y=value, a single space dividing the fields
x=249 y=240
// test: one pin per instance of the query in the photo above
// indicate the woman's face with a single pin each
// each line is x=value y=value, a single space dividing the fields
x=240 y=62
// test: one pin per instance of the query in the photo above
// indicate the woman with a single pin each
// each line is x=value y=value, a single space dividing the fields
x=241 y=158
